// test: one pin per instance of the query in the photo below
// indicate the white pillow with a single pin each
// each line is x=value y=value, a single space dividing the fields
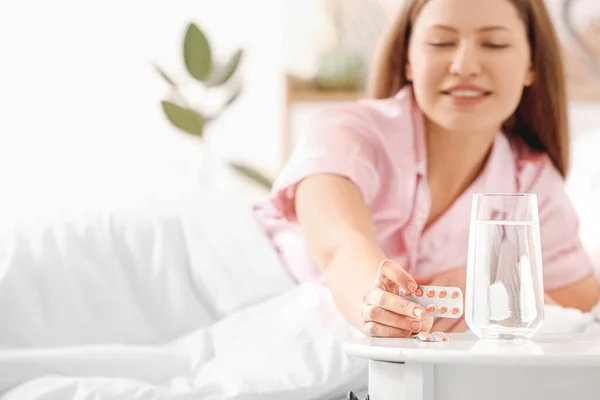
x=138 y=267
x=112 y=274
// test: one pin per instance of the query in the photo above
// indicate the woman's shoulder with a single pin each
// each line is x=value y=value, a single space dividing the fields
x=376 y=117
x=534 y=167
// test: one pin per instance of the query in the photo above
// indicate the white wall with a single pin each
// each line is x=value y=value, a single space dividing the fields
x=79 y=99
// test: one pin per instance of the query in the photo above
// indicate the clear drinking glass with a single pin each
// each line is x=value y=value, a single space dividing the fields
x=504 y=296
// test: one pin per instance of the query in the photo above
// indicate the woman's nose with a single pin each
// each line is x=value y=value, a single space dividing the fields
x=465 y=61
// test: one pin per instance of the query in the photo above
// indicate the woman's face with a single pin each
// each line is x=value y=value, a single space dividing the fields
x=469 y=61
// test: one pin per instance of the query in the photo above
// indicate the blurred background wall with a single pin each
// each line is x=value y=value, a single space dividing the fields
x=80 y=100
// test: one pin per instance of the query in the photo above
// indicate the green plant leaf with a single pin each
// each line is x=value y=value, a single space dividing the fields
x=252 y=174
x=233 y=97
x=165 y=76
x=185 y=119
x=223 y=74
x=197 y=53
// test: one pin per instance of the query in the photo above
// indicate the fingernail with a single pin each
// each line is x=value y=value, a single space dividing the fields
x=418 y=312
x=411 y=286
x=415 y=326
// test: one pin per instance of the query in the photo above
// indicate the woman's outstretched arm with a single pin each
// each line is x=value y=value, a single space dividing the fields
x=342 y=238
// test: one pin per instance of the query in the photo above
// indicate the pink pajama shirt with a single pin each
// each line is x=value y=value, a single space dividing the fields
x=380 y=146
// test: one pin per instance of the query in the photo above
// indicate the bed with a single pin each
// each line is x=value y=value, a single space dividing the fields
x=147 y=297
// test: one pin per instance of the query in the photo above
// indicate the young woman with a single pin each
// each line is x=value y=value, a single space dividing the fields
x=468 y=96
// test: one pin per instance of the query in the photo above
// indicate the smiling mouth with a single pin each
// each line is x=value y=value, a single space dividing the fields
x=467 y=93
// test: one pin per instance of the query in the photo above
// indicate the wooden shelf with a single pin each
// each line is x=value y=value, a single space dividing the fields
x=298 y=90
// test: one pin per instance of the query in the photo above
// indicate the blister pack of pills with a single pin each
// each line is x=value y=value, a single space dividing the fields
x=432 y=337
x=439 y=301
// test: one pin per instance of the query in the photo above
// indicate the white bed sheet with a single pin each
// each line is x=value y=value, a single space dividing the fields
x=165 y=297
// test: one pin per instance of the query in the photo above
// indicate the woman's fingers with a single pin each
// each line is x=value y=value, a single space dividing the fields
x=385 y=312
x=373 y=313
x=397 y=274
x=394 y=303
x=374 y=329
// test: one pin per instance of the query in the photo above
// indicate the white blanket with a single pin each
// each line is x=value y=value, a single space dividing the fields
x=287 y=347
x=169 y=298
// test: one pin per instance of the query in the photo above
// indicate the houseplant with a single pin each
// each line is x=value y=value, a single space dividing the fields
x=212 y=75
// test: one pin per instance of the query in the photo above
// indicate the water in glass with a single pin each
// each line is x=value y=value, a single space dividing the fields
x=504 y=295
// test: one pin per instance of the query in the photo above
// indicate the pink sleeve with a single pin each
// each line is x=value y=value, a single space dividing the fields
x=339 y=141
x=563 y=258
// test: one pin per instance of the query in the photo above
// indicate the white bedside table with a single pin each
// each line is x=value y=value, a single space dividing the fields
x=565 y=367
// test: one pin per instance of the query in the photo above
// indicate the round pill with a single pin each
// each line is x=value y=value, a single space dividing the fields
x=454 y=310
x=419 y=292
x=430 y=293
x=442 y=337
x=454 y=295
x=442 y=310
x=430 y=308
x=442 y=294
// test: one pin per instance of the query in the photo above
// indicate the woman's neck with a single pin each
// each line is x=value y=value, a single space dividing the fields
x=455 y=159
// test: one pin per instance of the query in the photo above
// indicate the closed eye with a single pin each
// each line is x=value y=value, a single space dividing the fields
x=495 y=46
x=442 y=44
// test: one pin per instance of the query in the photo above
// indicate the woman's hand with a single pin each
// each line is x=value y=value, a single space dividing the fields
x=387 y=314
x=456 y=277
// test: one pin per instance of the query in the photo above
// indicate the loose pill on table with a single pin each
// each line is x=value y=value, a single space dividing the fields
x=439 y=336
x=432 y=337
